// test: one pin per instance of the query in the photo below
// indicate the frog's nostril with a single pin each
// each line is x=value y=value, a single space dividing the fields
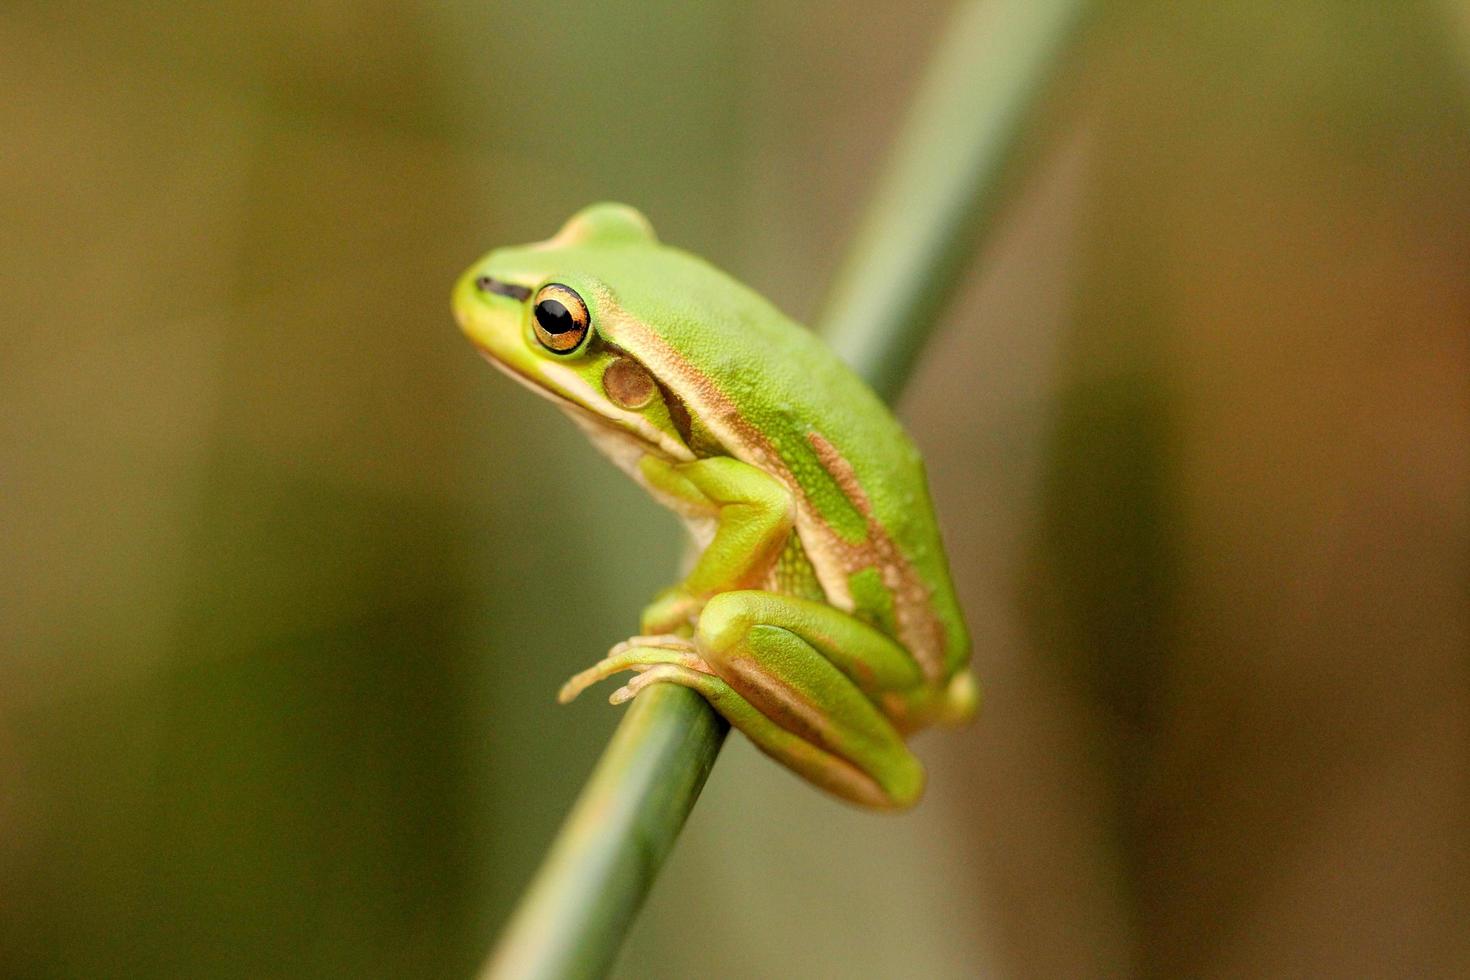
x=489 y=284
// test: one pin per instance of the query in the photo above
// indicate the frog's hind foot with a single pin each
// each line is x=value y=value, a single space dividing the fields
x=638 y=653
x=699 y=678
x=660 y=641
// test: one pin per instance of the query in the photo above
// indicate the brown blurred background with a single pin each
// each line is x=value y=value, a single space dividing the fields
x=284 y=567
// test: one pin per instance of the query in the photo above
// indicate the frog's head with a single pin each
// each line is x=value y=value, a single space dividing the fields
x=547 y=315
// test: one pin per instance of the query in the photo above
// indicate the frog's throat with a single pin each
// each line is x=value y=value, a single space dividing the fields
x=601 y=415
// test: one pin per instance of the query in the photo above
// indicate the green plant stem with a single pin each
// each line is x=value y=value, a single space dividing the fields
x=931 y=208
x=572 y=919
x=945 y=182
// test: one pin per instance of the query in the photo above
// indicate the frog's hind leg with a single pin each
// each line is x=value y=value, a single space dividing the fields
x=813 y=674
x=828 y=770
x=801 y=679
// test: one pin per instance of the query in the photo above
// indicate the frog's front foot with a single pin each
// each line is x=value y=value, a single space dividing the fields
x=638 y=653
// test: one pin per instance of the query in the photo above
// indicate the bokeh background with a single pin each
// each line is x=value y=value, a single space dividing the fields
x=288 y=577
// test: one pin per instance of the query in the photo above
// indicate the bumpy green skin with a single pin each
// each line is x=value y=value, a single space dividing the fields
x=820 y=617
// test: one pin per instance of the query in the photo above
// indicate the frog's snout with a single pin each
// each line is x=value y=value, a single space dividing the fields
x=474 y=295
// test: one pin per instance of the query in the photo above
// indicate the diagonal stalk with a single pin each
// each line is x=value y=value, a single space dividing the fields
x=935 y=203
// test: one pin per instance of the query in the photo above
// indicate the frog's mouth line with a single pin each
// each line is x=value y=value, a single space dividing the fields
x=526 y=381
x=575 y=408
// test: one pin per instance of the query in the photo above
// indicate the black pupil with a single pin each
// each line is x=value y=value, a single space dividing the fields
x=554 y=316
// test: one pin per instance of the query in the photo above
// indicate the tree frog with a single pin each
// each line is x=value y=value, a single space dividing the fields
x=819 y=617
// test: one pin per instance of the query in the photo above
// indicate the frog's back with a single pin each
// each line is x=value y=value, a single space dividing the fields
x=774 y=395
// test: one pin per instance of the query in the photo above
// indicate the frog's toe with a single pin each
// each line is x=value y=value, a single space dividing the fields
x=667 y=673
x=637 y=655
x=657 y=641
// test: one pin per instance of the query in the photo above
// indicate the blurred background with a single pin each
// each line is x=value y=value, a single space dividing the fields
x=282 y=562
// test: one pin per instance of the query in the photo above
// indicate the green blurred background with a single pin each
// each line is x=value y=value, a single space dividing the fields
x=285 y=568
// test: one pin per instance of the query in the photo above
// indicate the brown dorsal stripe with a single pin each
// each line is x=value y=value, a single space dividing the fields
x=918 y=629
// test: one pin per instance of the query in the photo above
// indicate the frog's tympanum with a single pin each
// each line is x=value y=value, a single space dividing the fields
x=819 y=617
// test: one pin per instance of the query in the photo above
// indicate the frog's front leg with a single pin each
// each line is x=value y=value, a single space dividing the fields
x=753 y=515
x=791 y=674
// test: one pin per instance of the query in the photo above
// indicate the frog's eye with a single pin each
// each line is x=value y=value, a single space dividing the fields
x=560 y=318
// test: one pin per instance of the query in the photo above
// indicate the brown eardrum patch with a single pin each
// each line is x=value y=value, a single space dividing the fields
x=628 y=383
